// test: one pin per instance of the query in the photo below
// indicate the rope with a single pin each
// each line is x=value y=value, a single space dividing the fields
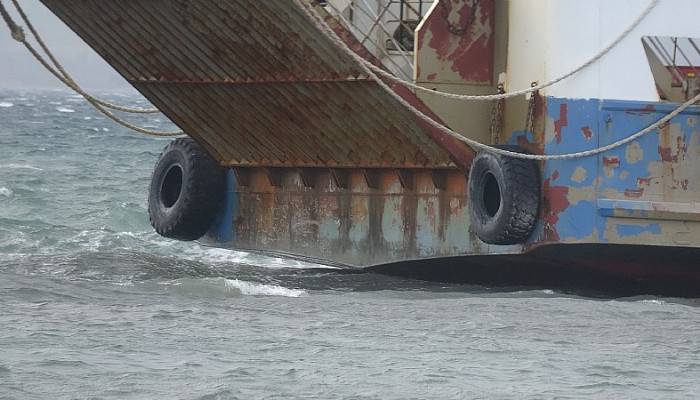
x=15 y=30
x=489 y=97
x=321 y=25
x=18 y=34
x=73 y=85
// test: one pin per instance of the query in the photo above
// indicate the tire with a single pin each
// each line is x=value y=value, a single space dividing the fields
x=186 y=192
x=504 y=196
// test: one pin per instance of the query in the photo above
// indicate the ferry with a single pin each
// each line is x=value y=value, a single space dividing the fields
x=517 y=141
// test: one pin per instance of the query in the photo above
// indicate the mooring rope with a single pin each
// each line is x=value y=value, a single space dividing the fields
x=58 y=71
x=320 y=24
x=62 y=70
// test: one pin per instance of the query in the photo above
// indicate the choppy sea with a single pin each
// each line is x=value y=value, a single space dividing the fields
x=94 y=305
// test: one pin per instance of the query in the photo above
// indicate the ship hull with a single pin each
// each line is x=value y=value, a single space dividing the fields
x=587 y=269
x=627 y=219
x=325 y=163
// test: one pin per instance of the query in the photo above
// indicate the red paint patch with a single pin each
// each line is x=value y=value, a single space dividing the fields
x=648 y=109
x=666 y=155
x=634 y=193
x=471 y=51
x=613 y=162
x=555 y=175
x=432 y=76
x=562 y=122
x=644 y=181
x=587 y=132
x=555 y=202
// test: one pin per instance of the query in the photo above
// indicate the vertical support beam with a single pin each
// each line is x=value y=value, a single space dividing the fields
x=309 y=176
x=439 y=178
x=372 y=178
x=274 y=175
x=406 y=178
x=341 y=178
x=242 y=176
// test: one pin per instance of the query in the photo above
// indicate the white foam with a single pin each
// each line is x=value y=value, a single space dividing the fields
x=20 y=166
x=659 y=302
x=5 y=192
x=65 y=110
x=6 y=104
x=259 y=289
x=208 y=255
x=219 y=255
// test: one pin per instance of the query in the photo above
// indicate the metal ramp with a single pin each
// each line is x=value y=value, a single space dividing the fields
x=256 y=83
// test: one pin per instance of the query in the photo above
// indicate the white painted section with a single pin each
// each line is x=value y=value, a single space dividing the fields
x=548 y=38
x=527 y=43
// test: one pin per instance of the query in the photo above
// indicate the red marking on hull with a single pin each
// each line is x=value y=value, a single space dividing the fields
x=562 y=122
x=648 y=109
x=470 y=52
x=587 y=132
x=612 y=162
x=555 y=202
x=666 y=155
x=644 y=181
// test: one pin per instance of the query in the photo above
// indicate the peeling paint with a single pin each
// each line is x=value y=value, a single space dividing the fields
x=579 y=175
x=460 y=36
x=634 y=153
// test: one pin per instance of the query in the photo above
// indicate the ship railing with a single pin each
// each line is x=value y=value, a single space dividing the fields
x=680 y=58
x=385 y=27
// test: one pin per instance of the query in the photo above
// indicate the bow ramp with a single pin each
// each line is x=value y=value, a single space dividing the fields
x=256 y=83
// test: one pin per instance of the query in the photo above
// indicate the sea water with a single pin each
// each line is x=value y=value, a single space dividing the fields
x=94 y=305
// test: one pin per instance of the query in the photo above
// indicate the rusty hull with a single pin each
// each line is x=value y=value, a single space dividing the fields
x=356 y=217
x=257 y=84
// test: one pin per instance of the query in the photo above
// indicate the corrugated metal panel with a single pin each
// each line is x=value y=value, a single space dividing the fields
x=253 y=81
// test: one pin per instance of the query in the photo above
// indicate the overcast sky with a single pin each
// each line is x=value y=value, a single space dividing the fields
x=19 y=71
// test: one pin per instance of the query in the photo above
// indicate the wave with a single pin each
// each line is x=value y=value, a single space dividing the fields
x=6 y=104
x=215 y=288
x=5 y=192
x=213 y=255
x=260 y=289
x=653 y=301
x=20 y=166
x=65 y=110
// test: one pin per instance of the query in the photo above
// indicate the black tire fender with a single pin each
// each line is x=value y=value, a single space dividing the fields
x=186 y=192
x=504 y=197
